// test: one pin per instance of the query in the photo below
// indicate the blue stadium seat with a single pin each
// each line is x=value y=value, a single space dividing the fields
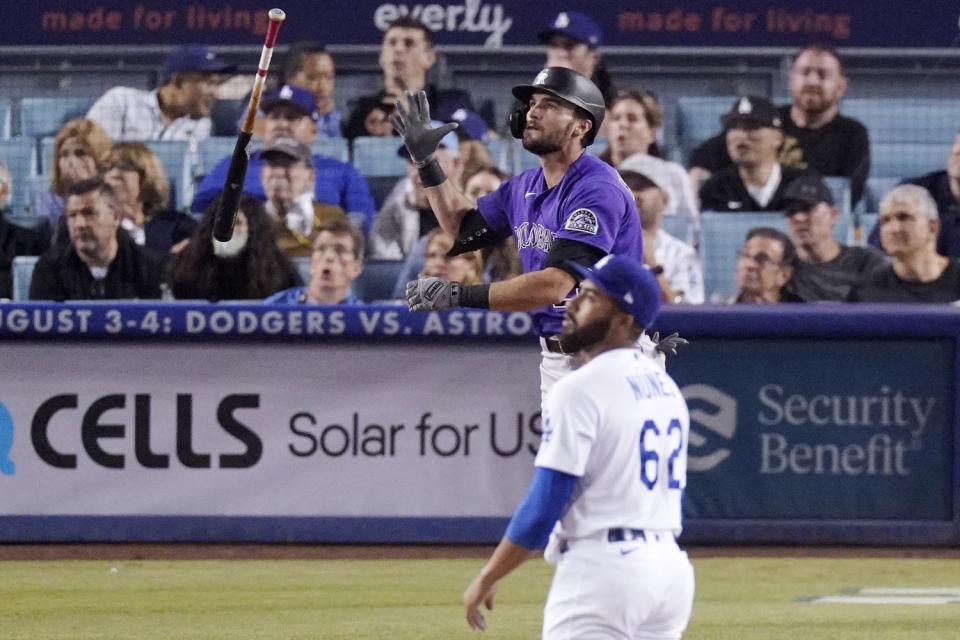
x=500 y=153
x=840 y=188
x=225 y=116
x=377 y=280
x=914 y=119
x=22 y=272
x=41 y=117
x=876 y=188
x=375 y=157
x=302 y=263
x=678 y=226
x=698 y=118
x=335 y=148
x=20 y=156
x=174 y=158
x=214 y=149
x=721 y=236
x=907 y=159
x=521 y=158
x=6 y=120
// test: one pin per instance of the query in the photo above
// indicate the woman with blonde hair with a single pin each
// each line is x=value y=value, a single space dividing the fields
x=79 y=151
x=466 y=268
x=137 y=177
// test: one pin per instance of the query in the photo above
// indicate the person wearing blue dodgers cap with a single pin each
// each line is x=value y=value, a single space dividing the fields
x=574 y=41
x=603 y=509
x=179 y=109
x=574 y=207
x=291 y=112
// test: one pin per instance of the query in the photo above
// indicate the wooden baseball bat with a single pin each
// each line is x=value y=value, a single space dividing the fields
x=233 y=185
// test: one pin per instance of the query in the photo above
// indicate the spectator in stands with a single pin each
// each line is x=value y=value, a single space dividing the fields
x=909 y=225
x=825 y=269
x=288 y=178
x=101 y=262
x=179 y=109
x=817 y=136
x=140 y=184
x=14 y=239
x=756 y=181
x=291 y=112
x=249 y=266
x=466 y=268
x=406 y=55
x=672 y=178
x=573 y=41
x=675 y=263
x=944 y=186
x=635 y=118
x=765 y=265
x=310 y=66
x=406 y=215
x=80 y=151
x=335 y=262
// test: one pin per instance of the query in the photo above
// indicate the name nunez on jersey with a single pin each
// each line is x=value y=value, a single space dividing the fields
x=533 y=235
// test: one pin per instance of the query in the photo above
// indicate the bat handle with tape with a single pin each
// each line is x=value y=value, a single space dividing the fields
x=232 y=189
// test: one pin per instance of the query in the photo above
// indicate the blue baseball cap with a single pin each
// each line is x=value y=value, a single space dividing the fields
x=293 y=95
x=472 y=126
x=194 y=57
x=576 y=25
x=628 y=283
x=448 y=141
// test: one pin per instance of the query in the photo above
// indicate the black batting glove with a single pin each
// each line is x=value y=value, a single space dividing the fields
x=414 y=127
x=668 y=345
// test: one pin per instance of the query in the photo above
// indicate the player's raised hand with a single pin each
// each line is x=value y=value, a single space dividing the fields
x=412 y=122
x=476 y=594
x=668 y=345
x=432 y=294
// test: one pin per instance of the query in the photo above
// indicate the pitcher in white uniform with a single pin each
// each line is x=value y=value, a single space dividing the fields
x=609 y=478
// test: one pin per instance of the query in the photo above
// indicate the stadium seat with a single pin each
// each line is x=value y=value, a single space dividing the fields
x=176 y=163
x=678 y=226
x=22 y=272
x=907 y=159
x=20 y=156
x=914 y=119
x=225 y=115
x=698 y=118
x=302 y=263
x=6 y=121
x=377 y=157
x=721 y=236
x=214 y=149
x=876 y=188
x=521 y=158
x=41 y=117
x=335 y=148
x=500 y=153
x=377 y=280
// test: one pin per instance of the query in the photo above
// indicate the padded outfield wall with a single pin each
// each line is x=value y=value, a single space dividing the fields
x=137 y=422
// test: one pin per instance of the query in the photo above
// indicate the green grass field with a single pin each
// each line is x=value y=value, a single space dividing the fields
x=737 y=598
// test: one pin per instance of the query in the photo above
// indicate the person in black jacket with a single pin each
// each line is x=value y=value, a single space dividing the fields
x=101 y=262
x=14 y=239
x=756 y=181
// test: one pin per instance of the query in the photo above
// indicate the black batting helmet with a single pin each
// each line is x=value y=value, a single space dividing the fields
x=567 y=85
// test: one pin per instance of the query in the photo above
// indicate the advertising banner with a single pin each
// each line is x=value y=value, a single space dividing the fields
x=826 y=429
x=491 y=24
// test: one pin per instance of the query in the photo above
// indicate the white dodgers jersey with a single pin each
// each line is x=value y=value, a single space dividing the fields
x=620 y=424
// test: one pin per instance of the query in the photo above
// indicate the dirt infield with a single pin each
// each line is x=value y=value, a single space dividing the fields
x=353 y=552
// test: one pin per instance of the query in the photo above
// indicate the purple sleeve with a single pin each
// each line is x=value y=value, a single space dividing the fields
x=495 y=209
x=593 y=213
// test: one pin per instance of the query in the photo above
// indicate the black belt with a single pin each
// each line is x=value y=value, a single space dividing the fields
x=625 y=535
x=553 y=344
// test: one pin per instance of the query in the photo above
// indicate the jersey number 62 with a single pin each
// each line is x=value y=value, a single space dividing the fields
x=650 y=443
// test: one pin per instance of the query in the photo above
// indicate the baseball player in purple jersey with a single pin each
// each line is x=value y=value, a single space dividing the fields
x=573 y=209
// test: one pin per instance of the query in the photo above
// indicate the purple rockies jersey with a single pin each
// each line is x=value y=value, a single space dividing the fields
x=591 y=204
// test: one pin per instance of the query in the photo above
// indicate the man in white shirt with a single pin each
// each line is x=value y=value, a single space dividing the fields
x=675 y=263
x=179 y=109
x=609 y=478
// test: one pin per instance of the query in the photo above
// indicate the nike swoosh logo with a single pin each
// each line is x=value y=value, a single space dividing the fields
x=530 y=193
x=626 y=552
